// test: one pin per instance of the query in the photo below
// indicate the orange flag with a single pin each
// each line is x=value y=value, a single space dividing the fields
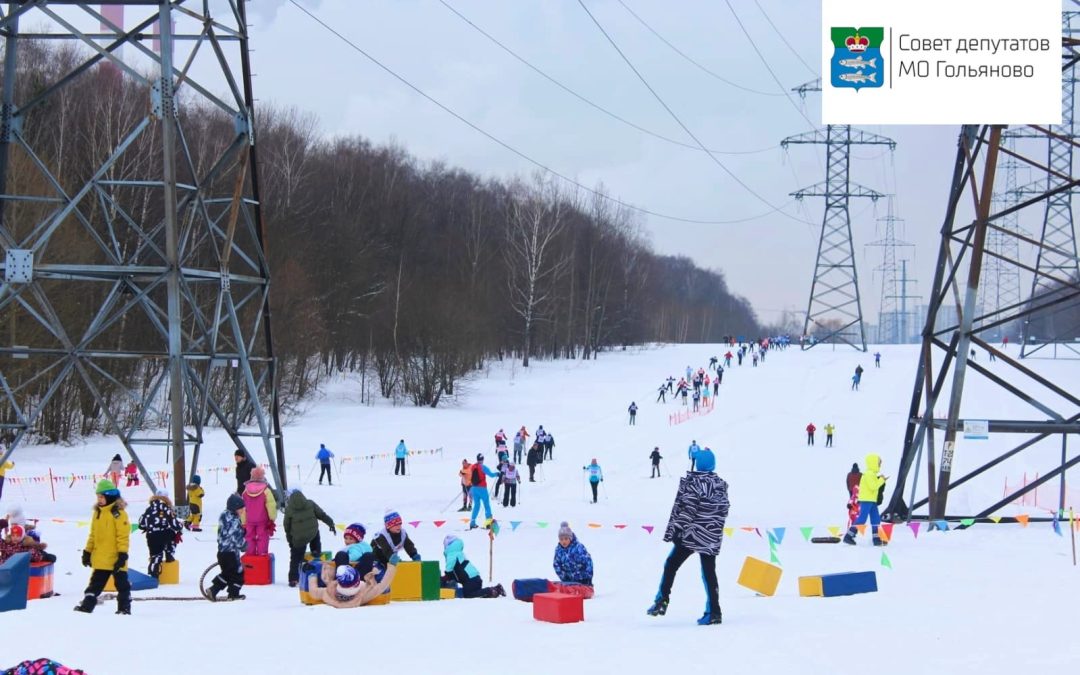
x=886 y=531
x=1023 y=520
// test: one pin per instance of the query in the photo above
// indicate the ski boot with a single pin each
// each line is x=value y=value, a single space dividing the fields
x=848 y=539
x=500 y=592
x=659 y=607
x=710 y=618
x=879 y=542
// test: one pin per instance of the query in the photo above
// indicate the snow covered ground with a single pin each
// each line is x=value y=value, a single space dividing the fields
x=991 y=599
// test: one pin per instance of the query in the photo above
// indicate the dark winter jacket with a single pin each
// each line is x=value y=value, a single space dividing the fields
x=302 y=518
x=386 y=544
x=699 y=512
x=160 y=517
x=243 y=473
x=535 y=456
x=230 y=536
x=655 y=457
x=573 y=564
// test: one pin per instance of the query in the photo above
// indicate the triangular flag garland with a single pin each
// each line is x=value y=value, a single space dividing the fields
x=806 y=532
x=1023 y=520
x=915 y=529
x=773 y=559
x=941 y=525
x=514 y=524
x=885 y=562
x=620 y=527
x=595 y=525
x=967 y=522
x=647 y=528
x=861 y=528
x=729 y=532
x=439 y=523
x=834 y=530
x=541 y=524
x=996 y=519
x=414 y=524
x=779 y=533
x=1057 y=526
x=134 y=526
x=886 y=531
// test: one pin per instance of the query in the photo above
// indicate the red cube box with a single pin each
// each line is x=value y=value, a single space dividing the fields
x=258 y=569
x=41 y=581
x=558 y=607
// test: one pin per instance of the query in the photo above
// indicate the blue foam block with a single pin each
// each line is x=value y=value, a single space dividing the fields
x=525 y=589
x=14 y=582
x=140 y=581
x=848 y=583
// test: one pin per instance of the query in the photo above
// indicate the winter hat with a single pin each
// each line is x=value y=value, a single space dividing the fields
x=105 y=486
x=855 y=467
x=356 y=531
x=116 y=458
x=449 y=539
x=258 y=473
x=705 y=460
x=480 y=457
x=594 y=460
x=391 y=518
x=564 y=530
x=464 y=462
x=239 y=453
x=196 y=480
x=15 y=516
x=16 y=532
x=348 y=580
x=234 y=503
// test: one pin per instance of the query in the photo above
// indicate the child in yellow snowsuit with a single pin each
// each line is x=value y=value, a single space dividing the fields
x=195 y=495
x=106 y=549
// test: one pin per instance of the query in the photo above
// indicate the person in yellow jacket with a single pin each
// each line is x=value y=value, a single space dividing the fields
x=829 y=429
x=871 y=489
x=107 y=549
x=4 y=467
x=195 y=494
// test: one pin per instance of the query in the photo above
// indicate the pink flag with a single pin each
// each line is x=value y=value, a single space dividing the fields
x=414 y=524
x=647 y=528
x=915 y=528
x=440 y=523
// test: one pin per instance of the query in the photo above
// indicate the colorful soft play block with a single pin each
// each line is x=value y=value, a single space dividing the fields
x=760 y=576
x=525 y=589
x=325 y=555
x=170 y=573
x=447 y=593
x=258 y=569
x=848 y=583
x=41 y=581
x=309 y=582
x=408 y=582
x=430 y=580
x=14 y=582
x=810 y=587
x=558 y=608
x=138 y=581
x=382 y=599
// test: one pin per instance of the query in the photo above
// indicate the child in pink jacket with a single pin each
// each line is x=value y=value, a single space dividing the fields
x=261 y=509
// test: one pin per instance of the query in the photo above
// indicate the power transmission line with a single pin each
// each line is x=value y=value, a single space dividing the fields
x=590 y=102
x=521 y=154
x=675 y=117
x=813 y=71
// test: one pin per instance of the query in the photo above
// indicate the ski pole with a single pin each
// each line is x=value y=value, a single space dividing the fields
x=314 y=464
x=456 y=497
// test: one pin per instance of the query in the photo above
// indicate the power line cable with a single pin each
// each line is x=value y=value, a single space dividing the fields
x=521 y=154
x=675 y=117
x=691 y=60
x=588 y=101
x=813 y=71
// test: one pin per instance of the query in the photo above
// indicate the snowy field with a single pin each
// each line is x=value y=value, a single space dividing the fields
x=990 y=599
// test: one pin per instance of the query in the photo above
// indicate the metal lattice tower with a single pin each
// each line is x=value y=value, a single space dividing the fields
x=1000 y=287
x=891 y=322
x=835 y=309
x=1057 y=257
x=162 y=242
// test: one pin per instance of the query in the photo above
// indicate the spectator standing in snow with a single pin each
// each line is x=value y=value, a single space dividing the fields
x=466 y=483
x=829 y=429
x=595 y=475
x=131 y=472
x=301 y=524
x=400 y=453
x=655 y=457
x=810 y=429
x=871 y=488
x=633 y=412
x=692 y=452
x=115 y=469
x=573 y=565
x=243 y=470
x=261 y=509
x=324 y=456
x=195 y=494
x=696 y=525
x=535 y=456
x=877 y=359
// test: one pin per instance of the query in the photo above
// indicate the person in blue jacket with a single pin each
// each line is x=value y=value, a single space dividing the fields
x=324 y=456
x=596 y=476
x=478 y=475
x=460 y=571
x=692 y=453
x=400 y=453
x=573 y=564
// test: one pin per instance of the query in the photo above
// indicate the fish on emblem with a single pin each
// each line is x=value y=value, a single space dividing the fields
x=859 y=63
x=856 y=78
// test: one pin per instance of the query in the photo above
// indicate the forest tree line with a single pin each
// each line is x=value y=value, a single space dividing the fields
x=412 y=273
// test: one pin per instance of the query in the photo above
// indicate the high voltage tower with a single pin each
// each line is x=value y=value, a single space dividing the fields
x=834 y=312
x=149 y=267
x=1043 y=412
x=894 y=319
x=1000 y=287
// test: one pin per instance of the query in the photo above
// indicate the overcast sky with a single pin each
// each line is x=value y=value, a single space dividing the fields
x=769 y=260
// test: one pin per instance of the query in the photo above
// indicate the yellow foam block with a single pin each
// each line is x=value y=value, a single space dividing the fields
x=170 y=573
x=383 y=599
x=309 y=599
x=407 y=583
x=447 y=594
x=760 y=576
x=810 y=587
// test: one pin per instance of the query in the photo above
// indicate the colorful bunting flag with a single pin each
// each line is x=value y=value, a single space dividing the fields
x=439 y=523
x=747 y=529
x=886 y=531
x=1057 y=526
x=941 y=525
x=619 y=527
x=914 y=528
x=779 y=532
x=996 y=519
x=514 y=524
x=1022 y=519
x=834 y=530
x=134 y=526
x=885 y=562
x=967 y=522
x=773 y=559
x=541 y=524
x=414 y=524
x=647 y=528
x=807 y=532
x=594 y=525
x=861 y=528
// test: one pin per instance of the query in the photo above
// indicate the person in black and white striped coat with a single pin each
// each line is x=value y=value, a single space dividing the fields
x=696 y=525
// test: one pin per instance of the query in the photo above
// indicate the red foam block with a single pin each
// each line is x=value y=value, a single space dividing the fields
x=558 y=607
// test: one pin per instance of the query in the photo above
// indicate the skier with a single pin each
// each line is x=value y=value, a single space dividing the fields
x=510 y=479
x=696 y=525
x=195 y=494
x=324 y=456
x=466 y=483
x=655 y=457
x=261 y=509
x=479 y=474
x=684 y=392
x=162 y=529
x=534 y=457
x=754 y=358
x=519 y=444
x=697 y=400
x=853 y=478
x=106 y=549
x=727 y=359
x=829 y=429
x=871 y=493
x=633 y=412
x=500 y=439
x=301 y=524
x=692 y=452
x=549 y=446
x=663 y=394
x=670 y=384
x=810 y=429
x=595 y=475
x=400 y=453
x=231 y=543
x=712 y=362
x=877 y=359
x=573 y=565
x=243 y=470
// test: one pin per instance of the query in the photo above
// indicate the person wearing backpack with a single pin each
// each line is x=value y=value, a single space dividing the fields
x=480 y=494
x=871 y=493
x=633 y=412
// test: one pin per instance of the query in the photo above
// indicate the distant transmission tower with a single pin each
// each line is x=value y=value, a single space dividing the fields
x=149 y=264
x=834 y=313
x=892 y=324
